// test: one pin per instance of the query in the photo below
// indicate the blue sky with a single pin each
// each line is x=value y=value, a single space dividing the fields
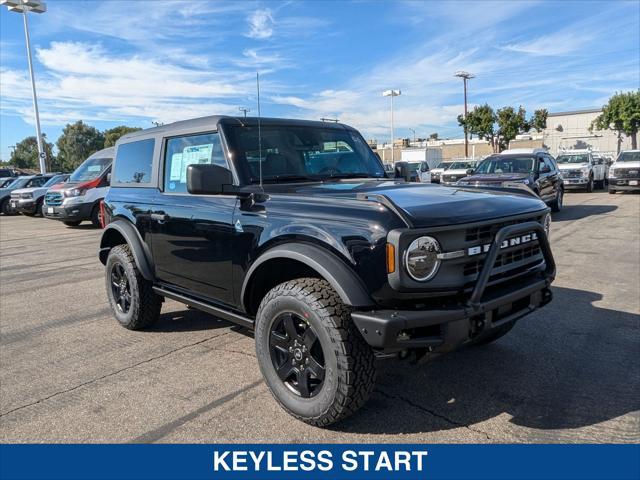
x=137 y=61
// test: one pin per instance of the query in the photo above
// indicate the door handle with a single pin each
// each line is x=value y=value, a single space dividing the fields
x=159 y=217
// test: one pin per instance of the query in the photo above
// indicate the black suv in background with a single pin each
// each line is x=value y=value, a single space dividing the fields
x=265 y=223
x=533 y=170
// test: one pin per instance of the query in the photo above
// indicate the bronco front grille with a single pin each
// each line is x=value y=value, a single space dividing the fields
x=504 y=259
x=487 y=232
x=53 y=198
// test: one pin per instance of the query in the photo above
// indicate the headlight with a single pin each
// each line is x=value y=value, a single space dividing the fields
x=73 y=192
x=546 y=224
x=612 y=172
x=421 y=258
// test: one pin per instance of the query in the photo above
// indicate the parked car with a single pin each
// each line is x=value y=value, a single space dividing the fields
x=7 y=172
x=19 y=182
x=533 y=168
x=79 y=198
x=457 y=170
x=580 y=170
x=5 y=181
x=625 y=172
x=419 y=171
x=329 y=269
x=29 y=201
x=439 y=169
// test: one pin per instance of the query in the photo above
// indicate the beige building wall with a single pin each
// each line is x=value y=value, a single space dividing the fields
x=567 y=130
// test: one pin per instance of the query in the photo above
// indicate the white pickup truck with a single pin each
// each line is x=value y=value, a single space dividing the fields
x=581 y=170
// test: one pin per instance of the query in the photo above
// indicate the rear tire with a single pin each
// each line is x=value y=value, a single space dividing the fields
x=132 y=299
x=72 y=223
x=313 y=358
x=494 y=335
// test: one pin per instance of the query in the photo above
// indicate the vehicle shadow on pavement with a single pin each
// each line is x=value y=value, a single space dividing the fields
x=576 y=212
x=569 y=365
x=188 y=320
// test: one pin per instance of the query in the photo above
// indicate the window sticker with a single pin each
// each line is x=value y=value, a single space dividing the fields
x=176 y=167
x=94 y=168
x=195 y=154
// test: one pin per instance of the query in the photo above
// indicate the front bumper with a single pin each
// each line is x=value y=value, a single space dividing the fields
x=442 y=330
x=73 y=212
x=624 y=184
x=579 y=182
x=24 y=205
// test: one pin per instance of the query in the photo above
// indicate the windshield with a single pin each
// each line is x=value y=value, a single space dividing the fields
x=584 y=158
x=462 y=165
x=444 y=165
x=54 y=180
x=5 y=181
x=90 y=169
x=506 y=165
x=414 y=166
x=629 y=157
x=302 y=153
x=18 y=182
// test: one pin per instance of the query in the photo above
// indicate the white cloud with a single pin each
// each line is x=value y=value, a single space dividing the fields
x=558 y=44
x=260 y=24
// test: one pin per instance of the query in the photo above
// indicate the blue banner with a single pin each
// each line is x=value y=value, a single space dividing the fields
x=320 y=462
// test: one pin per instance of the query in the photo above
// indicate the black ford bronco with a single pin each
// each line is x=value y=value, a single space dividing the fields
x=292 y=228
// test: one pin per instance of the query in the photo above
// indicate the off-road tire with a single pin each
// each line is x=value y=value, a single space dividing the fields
x=349 y=362
x=95 y=216
x=72 y=223
x=494 y=335
x=145 y=305
x=556 y=205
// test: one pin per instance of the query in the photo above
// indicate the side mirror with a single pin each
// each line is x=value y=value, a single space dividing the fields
x=545 y=169
x=470 y=171
x=206 y=179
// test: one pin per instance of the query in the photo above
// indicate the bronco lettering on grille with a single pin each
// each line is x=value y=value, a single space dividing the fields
x=510 y=242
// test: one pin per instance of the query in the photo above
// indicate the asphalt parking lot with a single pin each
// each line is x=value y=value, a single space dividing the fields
x=69 y=373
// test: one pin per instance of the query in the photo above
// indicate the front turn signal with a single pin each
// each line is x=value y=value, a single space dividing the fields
x=391 y=258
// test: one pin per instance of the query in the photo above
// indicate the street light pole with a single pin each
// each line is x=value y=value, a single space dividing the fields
x=392 y=93
x=244 y=110
x=465 y=77
x=414 y=134
x=36 y=6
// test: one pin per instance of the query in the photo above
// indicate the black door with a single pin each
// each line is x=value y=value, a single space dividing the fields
x=192 y=235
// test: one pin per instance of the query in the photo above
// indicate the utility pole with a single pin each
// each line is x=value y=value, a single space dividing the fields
x=35 y=6
x=414 y=134
x=465 y=76
x=392 y=93
x=244 y=110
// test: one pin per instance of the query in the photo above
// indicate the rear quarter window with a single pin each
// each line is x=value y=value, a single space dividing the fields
x=134 y=162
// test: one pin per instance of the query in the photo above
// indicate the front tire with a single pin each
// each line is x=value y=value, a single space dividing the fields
x=132 y=299
x=612 y=191
x=313 y=359
x=556 y=205
x=71 y=223
x=96 y=217
x=6 y=208
x=590 y=185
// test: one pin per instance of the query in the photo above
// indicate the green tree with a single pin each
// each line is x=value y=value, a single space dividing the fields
x=539 y=120
x=112 y=135
x=510 y=123
x=25 y=154
x=433 y=136
x=77 y=142
x=621 y=114
x=480 y=122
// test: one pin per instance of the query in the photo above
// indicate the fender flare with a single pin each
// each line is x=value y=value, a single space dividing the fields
x=344 y=280
x=139 y=249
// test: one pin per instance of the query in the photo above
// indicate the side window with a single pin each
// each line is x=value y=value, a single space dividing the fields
x=37 y=182
x=134 y=162
x=187 y=150
x=549 y=160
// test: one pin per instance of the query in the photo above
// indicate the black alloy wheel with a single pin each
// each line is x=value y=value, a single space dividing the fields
x=297 y=355
x=120 y=288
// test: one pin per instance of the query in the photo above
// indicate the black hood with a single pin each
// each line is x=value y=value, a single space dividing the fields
x=426 y=205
